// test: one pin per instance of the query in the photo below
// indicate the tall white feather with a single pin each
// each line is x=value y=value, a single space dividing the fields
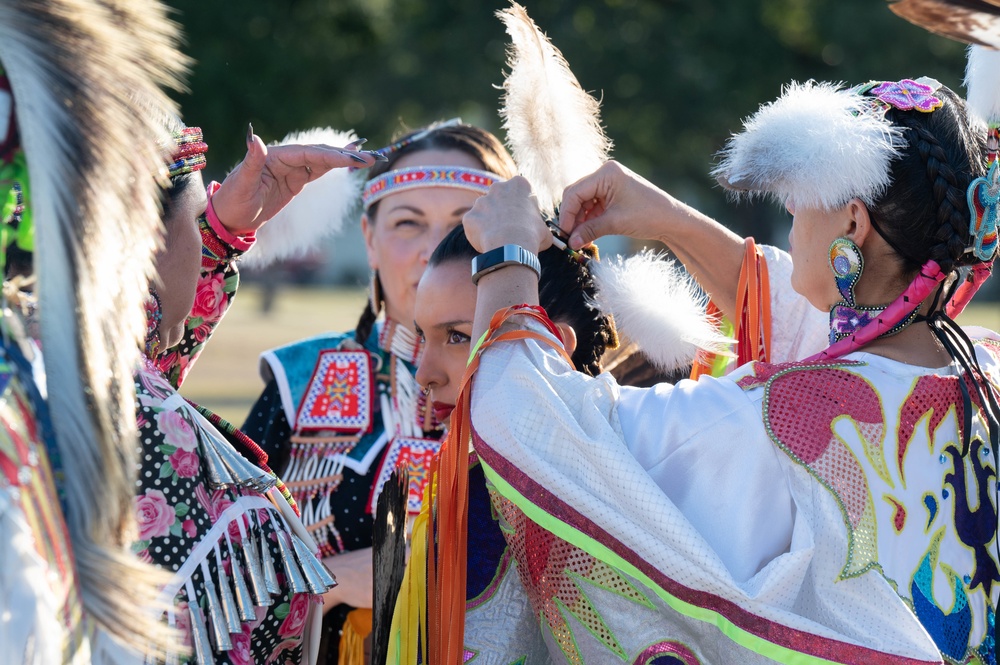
x=982 y=83
x=553 y=126
x=817 y=145
x=85 y=76
x=657 y=306
x=317 y=212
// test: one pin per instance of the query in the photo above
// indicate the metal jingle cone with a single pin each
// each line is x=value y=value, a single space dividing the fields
x=258 y=587
x=199 y=635
x=245 y=473
x=319 y=578
x=217 y=620
x=267 y=563
x=229 y=609
x=244 y=602
x=219 y=475
x=293 y=574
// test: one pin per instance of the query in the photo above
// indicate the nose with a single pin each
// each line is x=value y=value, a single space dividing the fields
x=427 y=374
x=434 y=239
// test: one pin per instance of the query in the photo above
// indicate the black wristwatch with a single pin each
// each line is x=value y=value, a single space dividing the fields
x=508 y=255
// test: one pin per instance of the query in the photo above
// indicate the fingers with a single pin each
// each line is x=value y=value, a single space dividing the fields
x=256 y=152
x=588 y=197
x=318 y=159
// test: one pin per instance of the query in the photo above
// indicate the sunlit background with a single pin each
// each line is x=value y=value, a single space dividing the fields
x=675 y=79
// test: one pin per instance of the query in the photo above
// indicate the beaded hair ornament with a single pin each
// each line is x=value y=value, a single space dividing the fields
x=190 y=153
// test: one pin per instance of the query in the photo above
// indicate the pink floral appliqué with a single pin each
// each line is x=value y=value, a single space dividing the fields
x=907 y=95
x=154 y=515
x=177 y=432
x=210 y=300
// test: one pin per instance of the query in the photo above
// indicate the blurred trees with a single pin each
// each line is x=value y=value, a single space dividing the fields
x=676 y=76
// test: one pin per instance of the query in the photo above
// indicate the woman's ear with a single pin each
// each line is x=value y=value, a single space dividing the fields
x=568 y=335
x=860 y=221
x=368 y=231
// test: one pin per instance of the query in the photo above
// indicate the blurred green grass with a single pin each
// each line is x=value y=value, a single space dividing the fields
x=225 y=379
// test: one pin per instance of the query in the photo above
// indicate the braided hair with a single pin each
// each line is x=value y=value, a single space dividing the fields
x=471 y=140
x=565 y=289
x=924 y=213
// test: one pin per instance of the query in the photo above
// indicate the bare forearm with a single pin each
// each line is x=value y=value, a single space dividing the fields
x=513 y=285
x=711 y=253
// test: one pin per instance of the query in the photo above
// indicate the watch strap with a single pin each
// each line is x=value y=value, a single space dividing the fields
x=501 y=257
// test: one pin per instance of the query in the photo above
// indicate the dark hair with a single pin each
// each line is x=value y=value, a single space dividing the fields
x=472 y=140
x=566 y=290
x=924 y=213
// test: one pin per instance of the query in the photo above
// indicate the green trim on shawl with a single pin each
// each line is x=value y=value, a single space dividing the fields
x=603 y=553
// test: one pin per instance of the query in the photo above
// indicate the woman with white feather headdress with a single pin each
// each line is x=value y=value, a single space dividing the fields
x=838 y=509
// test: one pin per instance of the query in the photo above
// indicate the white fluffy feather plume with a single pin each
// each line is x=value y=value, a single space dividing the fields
x=553 y=126
x=317 y=212
x=817 y=145
x=982 y=83
x=658 y=307
x=86 y=77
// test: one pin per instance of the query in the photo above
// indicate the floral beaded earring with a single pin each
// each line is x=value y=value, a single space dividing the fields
x=847 y=316
x=846 y=262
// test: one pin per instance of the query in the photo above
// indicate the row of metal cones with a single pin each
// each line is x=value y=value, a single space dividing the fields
x=232 y=599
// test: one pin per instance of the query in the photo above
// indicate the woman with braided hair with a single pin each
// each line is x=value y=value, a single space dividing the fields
x=838 y=509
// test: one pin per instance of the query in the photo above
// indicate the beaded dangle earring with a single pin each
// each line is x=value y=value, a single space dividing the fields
x=847 y=316
x=154 y=315
x=375 y=293
x=846 y=262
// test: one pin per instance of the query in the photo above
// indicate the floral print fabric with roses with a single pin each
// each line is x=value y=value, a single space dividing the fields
x=176 y=508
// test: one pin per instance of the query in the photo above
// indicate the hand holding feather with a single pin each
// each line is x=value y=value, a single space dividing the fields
x=268 y=178
x=507 y=215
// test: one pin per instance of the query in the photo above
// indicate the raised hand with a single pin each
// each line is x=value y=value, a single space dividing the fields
x=507 y=214
x=615 y=201
x=268 y=178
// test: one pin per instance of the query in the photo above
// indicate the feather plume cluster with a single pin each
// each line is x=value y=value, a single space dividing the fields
x=553 y=126
x=86 y=77
x=982 y=83
x=969 y=21
x=317 y=212
x=658 y=307
x=818 y=146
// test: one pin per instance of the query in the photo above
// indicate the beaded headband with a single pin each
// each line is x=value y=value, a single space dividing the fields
x=190 y=153
x=416 y=177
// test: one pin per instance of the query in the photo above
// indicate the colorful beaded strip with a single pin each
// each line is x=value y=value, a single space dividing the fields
x=190 y=153
x=400 y=180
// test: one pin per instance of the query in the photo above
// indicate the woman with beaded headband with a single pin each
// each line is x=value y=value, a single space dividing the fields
x=245 y=578
x=837 y=509
x=340 y=411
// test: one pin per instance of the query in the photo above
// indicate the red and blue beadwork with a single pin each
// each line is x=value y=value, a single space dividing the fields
x=339 y=396
x=399 y=180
